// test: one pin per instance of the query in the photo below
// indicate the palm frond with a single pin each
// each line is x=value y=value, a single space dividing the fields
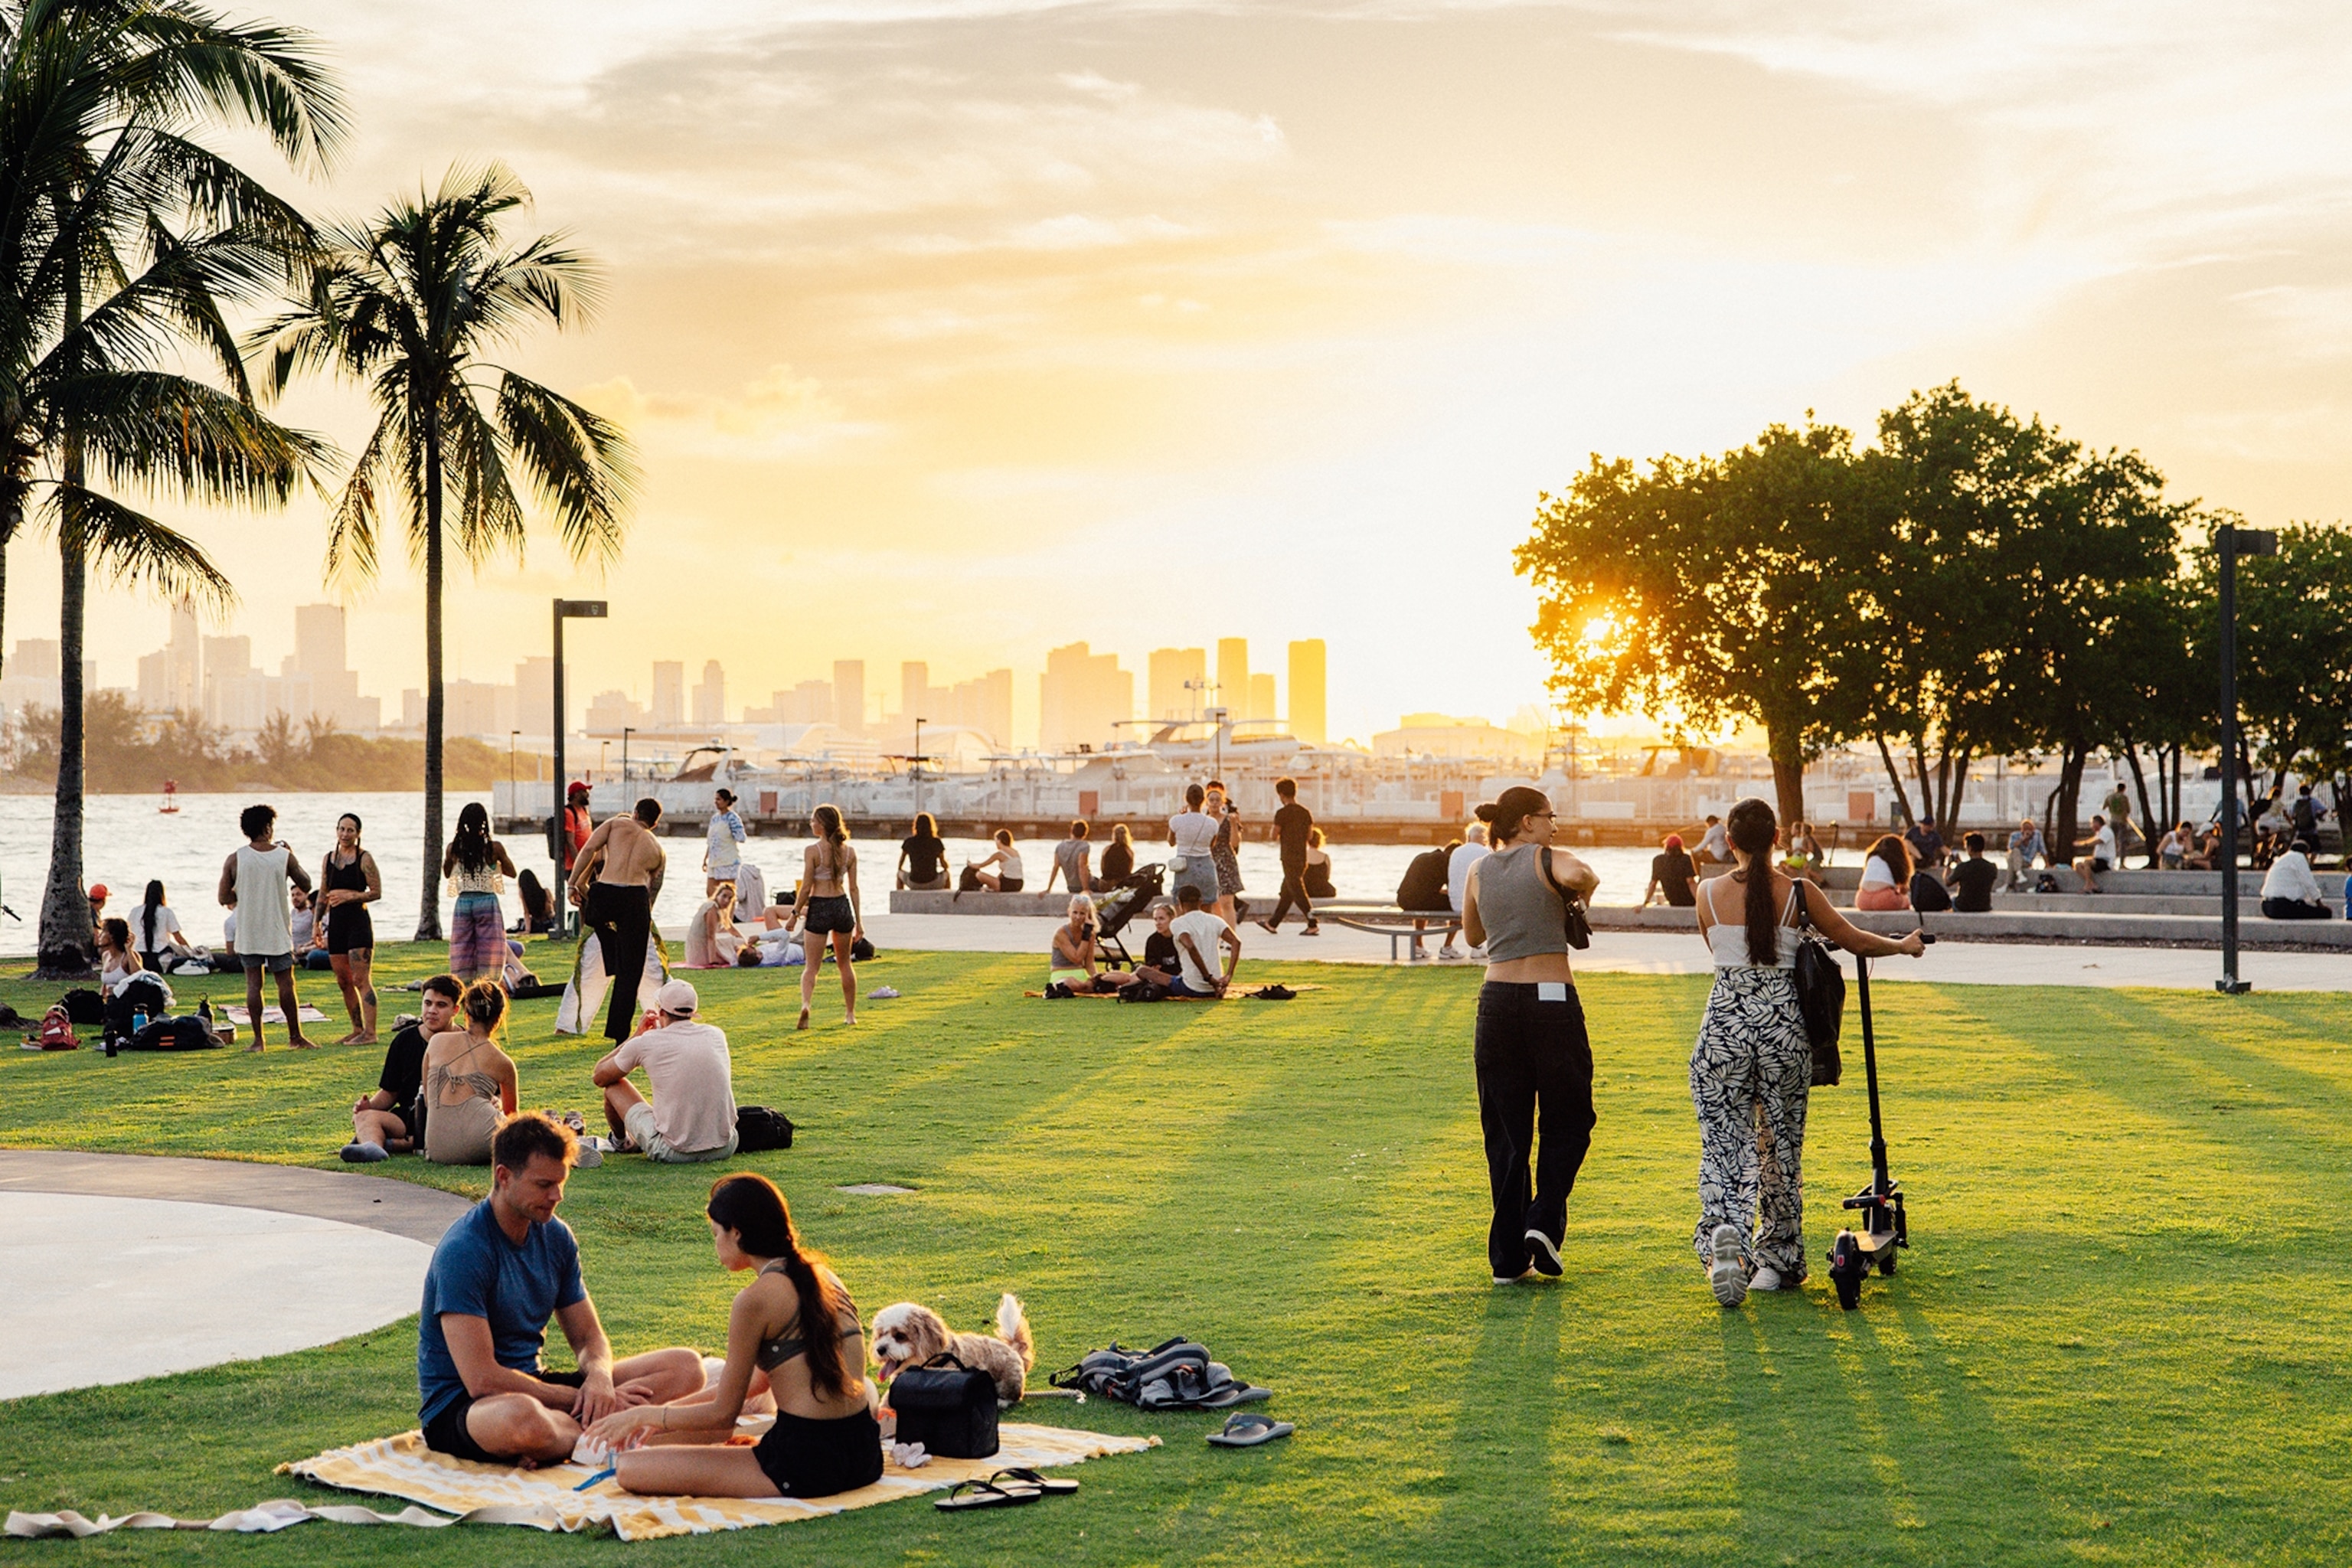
x=130 y=546
x=581 y=464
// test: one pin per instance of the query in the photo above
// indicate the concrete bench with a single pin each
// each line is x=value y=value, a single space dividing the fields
x=2102 y=926
x=1055 y=905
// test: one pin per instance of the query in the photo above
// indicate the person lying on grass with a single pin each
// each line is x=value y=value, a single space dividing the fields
x=793 y=1334
x=499 y=1273
x=1073 y=953
x=1198 y=931
x=382 y=1123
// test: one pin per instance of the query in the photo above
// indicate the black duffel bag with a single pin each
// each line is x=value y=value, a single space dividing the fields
x=185 y=1033
x=946 y=1407
x=759 y=1128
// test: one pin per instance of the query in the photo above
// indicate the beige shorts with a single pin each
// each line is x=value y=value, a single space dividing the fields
x=653 y=1146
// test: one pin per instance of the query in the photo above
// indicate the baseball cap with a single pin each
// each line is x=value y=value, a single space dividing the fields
x=98 y=890
x=677 y=998
x=579 y=788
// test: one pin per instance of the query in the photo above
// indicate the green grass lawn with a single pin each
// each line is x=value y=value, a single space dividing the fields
x=2119 y=1338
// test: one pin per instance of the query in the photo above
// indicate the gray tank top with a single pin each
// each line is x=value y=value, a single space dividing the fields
x=1523 y=916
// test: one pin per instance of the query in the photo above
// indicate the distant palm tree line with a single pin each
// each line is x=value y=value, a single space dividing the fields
x=125 y=243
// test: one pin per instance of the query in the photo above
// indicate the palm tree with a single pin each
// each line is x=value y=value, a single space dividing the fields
x=121 y=238
x=409 y=304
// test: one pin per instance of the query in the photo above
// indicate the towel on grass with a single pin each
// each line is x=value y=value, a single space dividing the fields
x=1232 y=995
x=273 y=1014
x=403 y=1467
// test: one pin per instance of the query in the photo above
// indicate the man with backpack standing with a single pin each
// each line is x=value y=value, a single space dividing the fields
x=254 y=884
x=1292 y=825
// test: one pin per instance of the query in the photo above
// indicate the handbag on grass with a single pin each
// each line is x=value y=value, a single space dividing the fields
x=946 y=1407
x=1820 y=996
x=1578 y=923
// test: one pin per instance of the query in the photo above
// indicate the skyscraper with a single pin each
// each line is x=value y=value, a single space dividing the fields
x=849 y=695
x=710 y=695
x=1170 y=669
x=183 y=672
x=1233 y=676
x=669 y=693
x=1082 y=699
x=1308 y=719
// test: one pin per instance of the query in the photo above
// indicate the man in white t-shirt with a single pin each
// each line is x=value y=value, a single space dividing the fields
x=691 y=1117
x=1472 y=849
x=725 y=834
x=1197 y=933
x=1715 y=843
x=2103 y=856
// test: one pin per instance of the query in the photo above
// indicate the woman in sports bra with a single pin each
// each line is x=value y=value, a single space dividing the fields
x=794 y=1333
x=469 y=1083
x=826 y=904
x=1753 y=1065
x=348 y=883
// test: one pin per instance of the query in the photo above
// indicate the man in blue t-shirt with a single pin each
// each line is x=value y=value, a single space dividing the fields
x=497 y=1276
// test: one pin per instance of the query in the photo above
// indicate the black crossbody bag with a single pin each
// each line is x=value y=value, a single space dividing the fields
x=947 y=1407
x=1578 y=924
x=1820 y=994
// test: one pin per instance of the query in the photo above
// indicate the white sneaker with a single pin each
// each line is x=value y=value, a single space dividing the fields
x=1418 y=955
x=1765 y=1278
x=1476 y=954
x=1449 y=951
x=1517 y=1279
x=1729 y=1275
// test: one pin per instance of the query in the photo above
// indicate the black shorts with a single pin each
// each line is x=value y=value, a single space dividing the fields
x=446 y=1433
x=833 y=914
x=1008 y=884
x=822 y=1459
x=350 y=929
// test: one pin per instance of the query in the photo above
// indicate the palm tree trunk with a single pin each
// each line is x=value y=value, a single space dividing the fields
x=428 y=919
x=64 y=938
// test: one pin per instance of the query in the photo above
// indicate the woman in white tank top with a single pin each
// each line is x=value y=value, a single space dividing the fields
x=1753 y=1064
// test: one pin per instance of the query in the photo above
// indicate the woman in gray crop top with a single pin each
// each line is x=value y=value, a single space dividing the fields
x=1534 y=1060
x=793 y=1335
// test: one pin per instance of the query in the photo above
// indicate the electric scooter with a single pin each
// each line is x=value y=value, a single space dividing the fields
x=1883 y=1227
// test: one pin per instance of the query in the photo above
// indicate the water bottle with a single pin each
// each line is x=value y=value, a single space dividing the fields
x=138 y=1020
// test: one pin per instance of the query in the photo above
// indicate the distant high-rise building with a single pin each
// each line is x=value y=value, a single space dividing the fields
x=669 y=693
x=184 y=663
x=849 y=695
x=1082 y=699
x=1262 y=699
x=710 y=695
x=1169 y=672
x=1307 y=719
x=1233 y=676
x=610 y=712
x=320 y=657
x=32 y=678
x=915 y=693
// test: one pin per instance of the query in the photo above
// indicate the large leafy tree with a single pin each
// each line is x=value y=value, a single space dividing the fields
x=122 y=239
x=1700 y=591
x=2295 y=652
x=411 y=303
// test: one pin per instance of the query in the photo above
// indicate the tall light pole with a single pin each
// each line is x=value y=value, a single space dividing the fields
x=918 y=767
x=1217 y=716
x=580 y=609
x=512 y=735
x=2232 y=542
x=626 y=731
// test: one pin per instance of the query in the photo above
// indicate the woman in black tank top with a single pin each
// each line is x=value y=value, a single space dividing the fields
x=348 y=884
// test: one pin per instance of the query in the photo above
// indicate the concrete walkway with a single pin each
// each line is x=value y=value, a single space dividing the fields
x=1681 y=952
x=123 y=1266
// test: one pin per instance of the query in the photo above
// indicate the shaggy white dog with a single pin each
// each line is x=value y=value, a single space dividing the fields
x=906 y=1336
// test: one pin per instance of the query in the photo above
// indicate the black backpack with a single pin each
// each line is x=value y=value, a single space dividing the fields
x=758 y=1128
x=1175 y=1374
x=184 y=1033
x=1929 y=894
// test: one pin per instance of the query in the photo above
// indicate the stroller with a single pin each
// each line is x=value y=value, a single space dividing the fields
x=1128 y=897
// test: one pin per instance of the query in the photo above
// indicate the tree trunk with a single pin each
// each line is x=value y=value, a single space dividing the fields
x=428 y=919
x=64 y=944
x=2074 y=757
x=1927 y=782
x=1787 y=786
x=1955 y=790
x=1894 y=776
x=2149 y=836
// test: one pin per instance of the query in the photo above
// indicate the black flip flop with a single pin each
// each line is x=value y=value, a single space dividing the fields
x=984 y=1494
x=1247 y=1430
x=1022 y=1476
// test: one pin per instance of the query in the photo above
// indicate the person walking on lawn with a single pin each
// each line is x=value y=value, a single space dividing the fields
x=627 y=864
x=1533 y=1058
x=499 y=1273
x=1293 y=823
x=253 y=886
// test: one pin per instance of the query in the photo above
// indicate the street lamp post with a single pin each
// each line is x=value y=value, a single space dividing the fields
x=512 y=735
x=581 y=610
x=626 y=731
x=919 y=766
x=2232 y=541
x=1217 y=717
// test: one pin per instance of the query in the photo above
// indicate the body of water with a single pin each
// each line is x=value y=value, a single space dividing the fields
x=126 y=841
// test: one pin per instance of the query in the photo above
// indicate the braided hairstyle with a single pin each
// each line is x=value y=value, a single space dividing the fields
x=749 y=1205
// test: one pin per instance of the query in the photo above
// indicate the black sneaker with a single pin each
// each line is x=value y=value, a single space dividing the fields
x=1544 y=1252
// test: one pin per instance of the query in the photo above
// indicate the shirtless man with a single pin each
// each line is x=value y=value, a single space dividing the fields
x=627 y=864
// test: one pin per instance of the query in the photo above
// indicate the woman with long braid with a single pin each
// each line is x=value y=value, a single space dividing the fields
x=793 y=1334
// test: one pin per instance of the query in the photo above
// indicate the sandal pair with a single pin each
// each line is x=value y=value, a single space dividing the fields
x=1005 y=1489
x=1247 y=1430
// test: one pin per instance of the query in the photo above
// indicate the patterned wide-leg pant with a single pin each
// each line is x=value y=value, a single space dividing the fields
x=1749 y=1074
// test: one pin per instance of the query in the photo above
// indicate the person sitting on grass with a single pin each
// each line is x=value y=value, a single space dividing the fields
x=1973 y=879
x=253 y=888
x=1197 y=933
x=382 y=1123
x=2290 y=892
x=711 y=941
x=691 y=1117
x=793 y=1334
x=499 y=1273
x=1073 y=965
x=469 y=1080
x=1161 y=963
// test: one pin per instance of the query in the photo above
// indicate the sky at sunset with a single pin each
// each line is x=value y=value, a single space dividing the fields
x=960 y=331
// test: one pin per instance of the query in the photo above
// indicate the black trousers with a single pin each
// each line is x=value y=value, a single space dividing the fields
x=1535 y=1104
x=1294 y=891
x=623 y=920
x=2291 y=910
